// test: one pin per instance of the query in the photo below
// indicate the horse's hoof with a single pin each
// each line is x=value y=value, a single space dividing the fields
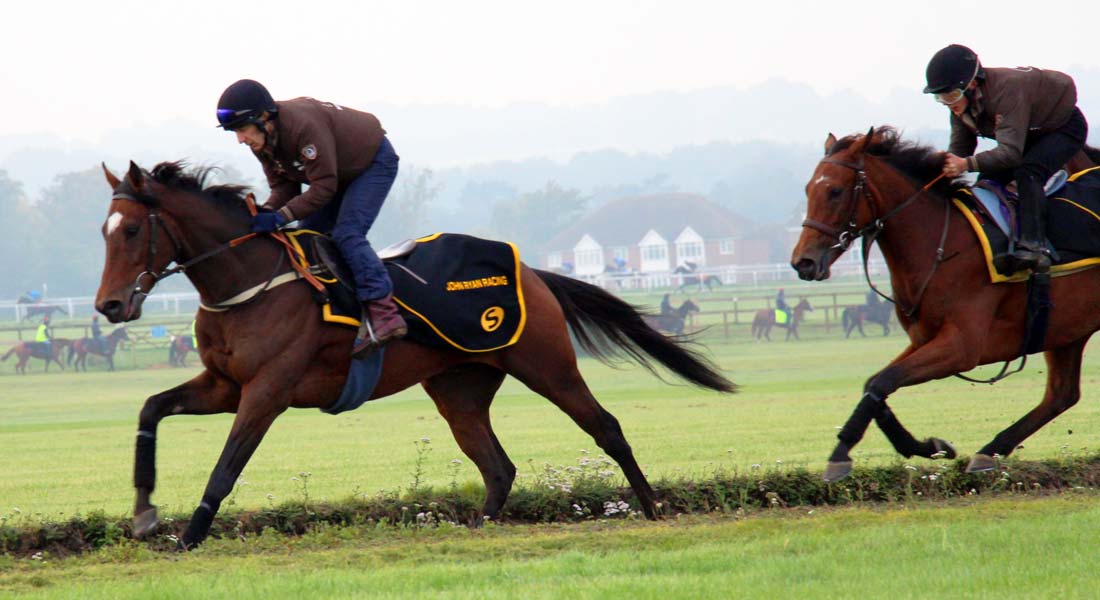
x=943 y=449
x=980 y=463
x=145 y=522
x=835 y=471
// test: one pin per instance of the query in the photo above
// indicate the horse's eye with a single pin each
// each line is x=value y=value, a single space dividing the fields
x=131 y=230
x=835 y=193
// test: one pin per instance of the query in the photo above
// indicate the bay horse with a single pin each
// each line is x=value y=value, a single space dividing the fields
x=688 y=279
x=674 y=321
x=275 y=353
x=84 y=346
x=853 y=318
x=956 y=319
x=50 y=353
x=41 y=310
x=764 y=320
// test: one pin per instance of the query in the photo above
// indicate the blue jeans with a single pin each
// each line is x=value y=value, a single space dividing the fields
x=349 y=216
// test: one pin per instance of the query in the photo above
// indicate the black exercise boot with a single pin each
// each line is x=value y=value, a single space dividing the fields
x=1030 y=251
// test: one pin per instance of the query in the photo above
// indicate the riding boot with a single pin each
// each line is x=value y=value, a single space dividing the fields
x=381 y=324
x=1031 y=251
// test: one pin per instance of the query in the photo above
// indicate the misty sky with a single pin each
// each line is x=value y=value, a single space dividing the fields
x=80 y=69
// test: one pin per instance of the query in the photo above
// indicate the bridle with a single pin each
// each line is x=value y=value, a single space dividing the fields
x=869 y=233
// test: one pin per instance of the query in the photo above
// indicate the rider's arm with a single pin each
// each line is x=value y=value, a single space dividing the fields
x=317 y=150
x=963 y=139
x=282 y=189
x=1012 y=117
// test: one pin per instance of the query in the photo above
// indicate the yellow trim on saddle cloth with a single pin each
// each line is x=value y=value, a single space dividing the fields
x=519 y=297
x=994 y=275
x=326 y=309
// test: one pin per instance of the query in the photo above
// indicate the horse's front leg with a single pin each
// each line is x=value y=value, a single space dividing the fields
x=947 y=354
x=262 y=400
x=205 y=394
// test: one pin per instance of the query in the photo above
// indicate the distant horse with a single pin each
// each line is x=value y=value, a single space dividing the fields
x=41 y=310
x=276 y=353
x=674 y=321
x=882 y=186
x=853 y=317
x=106 y=348
x=25 y=351
x=687 y=279
x=178 y=349
x=764 y=320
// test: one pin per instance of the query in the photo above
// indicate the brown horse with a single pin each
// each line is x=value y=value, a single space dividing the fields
x=106 y=348
x=673 y=322
x=764 y=320
x=275 y=353
x=25 y=351
x=955 y=317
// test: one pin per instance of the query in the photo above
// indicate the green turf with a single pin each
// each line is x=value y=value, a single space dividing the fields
x=68 y=438
x=1011 y=547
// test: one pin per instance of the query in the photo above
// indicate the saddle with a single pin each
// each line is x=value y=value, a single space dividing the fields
x=454 y=291
x=1073 y=222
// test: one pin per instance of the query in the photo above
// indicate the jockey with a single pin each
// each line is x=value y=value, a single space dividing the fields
x=873 y=299
x=43 y=335
x=349 y=165
x=781 y=303
x=97 y=334
x=666 y=305
x=1031 y=113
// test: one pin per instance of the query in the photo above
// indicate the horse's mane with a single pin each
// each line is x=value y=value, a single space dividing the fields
x=920 y=163
x=176 y=175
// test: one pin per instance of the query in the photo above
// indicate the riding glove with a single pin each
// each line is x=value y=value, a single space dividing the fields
x=266 y=222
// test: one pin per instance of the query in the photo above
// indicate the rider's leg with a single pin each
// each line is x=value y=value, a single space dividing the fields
x=362 y=200
x=1044 y=156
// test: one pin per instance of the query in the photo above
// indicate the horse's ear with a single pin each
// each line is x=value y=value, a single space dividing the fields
x=137 y=178
x=829 y=142
x=865 y=141
x=111 y=179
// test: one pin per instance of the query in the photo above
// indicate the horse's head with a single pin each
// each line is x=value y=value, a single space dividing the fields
x=689 y=307
x=121 y=334
x=836 y=207
x=803 y=306
x=139 y=245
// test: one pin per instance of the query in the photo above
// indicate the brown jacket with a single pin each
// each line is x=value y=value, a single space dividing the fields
x=319 y=143
x=1008 y=105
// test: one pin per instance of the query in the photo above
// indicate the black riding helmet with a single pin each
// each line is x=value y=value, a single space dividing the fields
x=243 y=103
x=952 y=68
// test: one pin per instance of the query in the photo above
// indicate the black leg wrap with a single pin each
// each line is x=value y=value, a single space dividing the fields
x=904 y=442
x=853 y=430
x=145 y=462
x=199 y=527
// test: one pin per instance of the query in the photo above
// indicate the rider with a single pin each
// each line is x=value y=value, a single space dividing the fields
x=349 y=164
x=666 y=305
x=97 y=334
x=781 y=303
x=43 y=335
x=1031 y=113
x=873 y=299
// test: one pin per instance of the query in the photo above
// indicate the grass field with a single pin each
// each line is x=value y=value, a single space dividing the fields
x=1011 y=547
x=67 y=443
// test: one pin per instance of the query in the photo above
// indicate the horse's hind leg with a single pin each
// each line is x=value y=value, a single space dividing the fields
x=1063 y=391
x=561 y=382
x=463 y=395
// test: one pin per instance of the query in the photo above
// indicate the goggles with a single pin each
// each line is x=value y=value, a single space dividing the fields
x=229 y=118
x=947 y=98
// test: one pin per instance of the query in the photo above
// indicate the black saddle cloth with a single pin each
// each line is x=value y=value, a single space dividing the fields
x=455 y=291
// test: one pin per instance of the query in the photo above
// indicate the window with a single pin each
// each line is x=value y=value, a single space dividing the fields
x=553 y=260
x=654 y=253
x=726 y=246
x=692 y=251
x=589 y=258
x=620 y=252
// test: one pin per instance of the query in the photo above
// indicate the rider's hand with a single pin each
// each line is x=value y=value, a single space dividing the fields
x=267 y=222
x=953 y=166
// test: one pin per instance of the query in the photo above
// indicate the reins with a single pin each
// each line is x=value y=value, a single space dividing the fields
x=301 y=269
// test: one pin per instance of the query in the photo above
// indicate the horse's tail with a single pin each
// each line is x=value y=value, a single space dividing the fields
x=10 y=352
x=607 y=328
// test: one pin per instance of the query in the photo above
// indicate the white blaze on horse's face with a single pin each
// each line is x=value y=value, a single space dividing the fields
x=113 y=222
x=820 y=179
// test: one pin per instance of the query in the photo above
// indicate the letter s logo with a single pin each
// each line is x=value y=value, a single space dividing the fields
x=492 y=318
